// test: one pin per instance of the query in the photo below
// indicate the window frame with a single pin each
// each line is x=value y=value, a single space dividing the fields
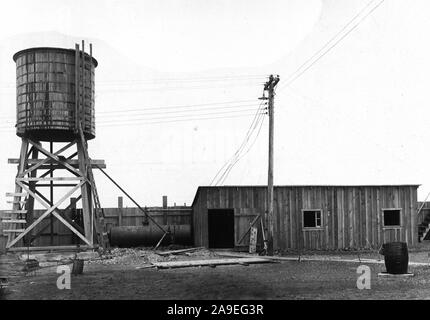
x=316 y=228
x=400 y=218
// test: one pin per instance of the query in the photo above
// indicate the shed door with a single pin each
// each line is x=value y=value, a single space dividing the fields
x=221 y=228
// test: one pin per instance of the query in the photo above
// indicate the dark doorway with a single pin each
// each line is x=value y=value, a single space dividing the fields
x=221 y=228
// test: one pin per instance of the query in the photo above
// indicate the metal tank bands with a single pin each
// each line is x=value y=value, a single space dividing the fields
x=46 y=96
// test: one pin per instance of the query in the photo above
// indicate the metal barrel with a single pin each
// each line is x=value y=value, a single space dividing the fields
x=133 y=236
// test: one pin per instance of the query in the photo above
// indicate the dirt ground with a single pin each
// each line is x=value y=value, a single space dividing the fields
x=118 y=278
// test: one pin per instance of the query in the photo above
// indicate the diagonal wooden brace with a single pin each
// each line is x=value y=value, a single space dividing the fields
x=51 y=157
x=54 y=156
x=47 y=212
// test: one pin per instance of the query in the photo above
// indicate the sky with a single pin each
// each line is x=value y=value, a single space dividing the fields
x=358 y=114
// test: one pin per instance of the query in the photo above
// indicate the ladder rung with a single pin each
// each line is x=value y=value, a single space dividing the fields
x=14 y=211
x=14 y=220
x=14 y=231
x=16 y=194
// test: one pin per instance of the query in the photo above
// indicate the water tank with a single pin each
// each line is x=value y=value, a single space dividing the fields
x=45 y=88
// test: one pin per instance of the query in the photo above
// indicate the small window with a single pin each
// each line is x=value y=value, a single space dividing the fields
x=391 y=217
x=311 y=218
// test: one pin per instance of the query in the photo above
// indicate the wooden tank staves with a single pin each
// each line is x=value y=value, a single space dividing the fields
x=45 y=80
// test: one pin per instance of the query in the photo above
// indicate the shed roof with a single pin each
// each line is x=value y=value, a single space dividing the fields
x=304 y=186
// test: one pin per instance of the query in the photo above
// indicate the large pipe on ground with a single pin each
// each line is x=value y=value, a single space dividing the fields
x=133 y=236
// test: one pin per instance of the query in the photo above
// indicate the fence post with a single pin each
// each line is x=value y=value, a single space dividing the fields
x=165 y=210
x=120 y=206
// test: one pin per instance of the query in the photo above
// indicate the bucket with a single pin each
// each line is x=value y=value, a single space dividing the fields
x=3 y=242
x=396 y=257
x=78 y=266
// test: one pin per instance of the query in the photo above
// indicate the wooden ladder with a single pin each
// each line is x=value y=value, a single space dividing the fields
x=14 y=220
x=99 y=223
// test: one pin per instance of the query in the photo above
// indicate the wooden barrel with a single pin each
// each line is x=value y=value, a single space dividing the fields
x=396 y=257
x=45 y=88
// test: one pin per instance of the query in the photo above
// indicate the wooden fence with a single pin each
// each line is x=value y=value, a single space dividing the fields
x=58 y=234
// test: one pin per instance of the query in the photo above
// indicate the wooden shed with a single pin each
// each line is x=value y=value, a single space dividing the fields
x=308 y=217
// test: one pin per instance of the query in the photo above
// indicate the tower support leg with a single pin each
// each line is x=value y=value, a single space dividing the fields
x=31 y=178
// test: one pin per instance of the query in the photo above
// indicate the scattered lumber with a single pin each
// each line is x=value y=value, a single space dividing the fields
x=53 y=248
x=208 y=262
x=59 y=257
x=318 y=259
x=389 y=275
x=146 y=266
x=166 y=253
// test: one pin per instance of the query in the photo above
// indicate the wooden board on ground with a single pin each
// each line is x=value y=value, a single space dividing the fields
x=166 y=253
x=317 y=259
x=208 y=262
x=389 y=275
x=57 y=257
x=53 y=248
x=146 y=266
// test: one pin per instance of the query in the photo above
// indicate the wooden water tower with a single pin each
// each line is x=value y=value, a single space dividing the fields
x=55 y=118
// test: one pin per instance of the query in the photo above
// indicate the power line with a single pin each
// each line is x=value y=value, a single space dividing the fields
x=217 y=178
x=191 y=79
x=181 y=120
x=331 y=39
x=161 y=111
x=8 y=129
x=180 y=106
x=187 y=112
x=179 y=116
x=247 y=133
x=113 y=91
x=246 y=152
x=236 y=156
x=176 y=81
x=103 y=113
x=289 y=82
x=158 y=80
x=165 y=119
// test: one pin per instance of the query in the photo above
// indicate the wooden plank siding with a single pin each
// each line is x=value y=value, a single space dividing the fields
x=352 y=216
x=179 y=215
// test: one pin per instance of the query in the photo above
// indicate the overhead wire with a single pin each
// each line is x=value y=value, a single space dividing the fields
x=189 y=79
x=179 y=116
x=186 y=112
x=180 y=120
x=232 y=104
x=261 y=121
x=142 y=90
x=298 y=73
x=217 y=178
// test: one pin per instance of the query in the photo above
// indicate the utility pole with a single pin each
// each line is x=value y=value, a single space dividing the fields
x=269 y=86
